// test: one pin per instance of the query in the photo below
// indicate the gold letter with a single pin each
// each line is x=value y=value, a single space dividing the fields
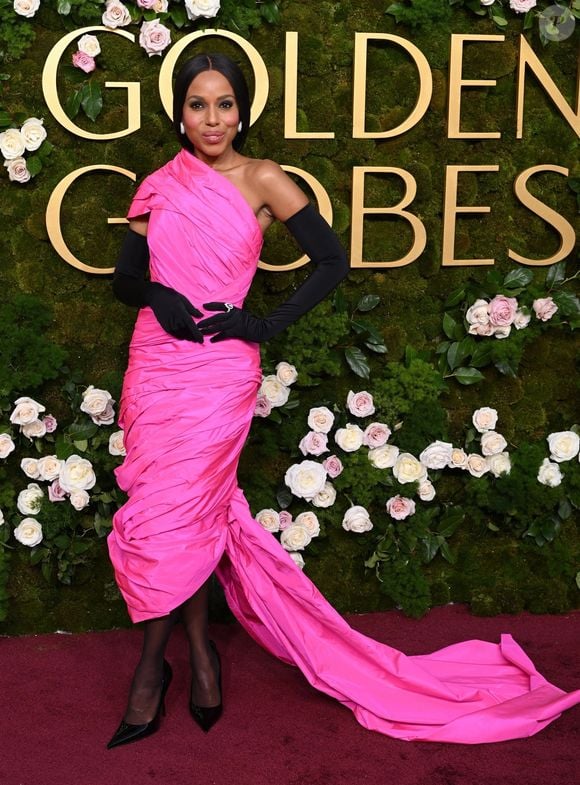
x=324 y=206
x=51 y=94
x=359 y=86
x=450 y=211
x=529 y=57
x=291 y=95
x=359 y=211
x=261 y=81
x=53 y=216
x=560 y=224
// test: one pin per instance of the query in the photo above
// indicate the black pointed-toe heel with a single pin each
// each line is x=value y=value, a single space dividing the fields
x=207 y=716
x=127 y=733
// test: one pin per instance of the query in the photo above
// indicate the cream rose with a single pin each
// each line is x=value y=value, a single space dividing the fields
x=549 y=473
x=483 y=330
x=478 y=314
x=6 y=445
x=33 y=430
x=12 y=144
x=305 y=479
x=17 y=170
x=356 y=519
x=376 y=435
x=426 y=491
x=492 y=443
x=89 y=44
x=484 y=419
x=116 y=15
x=544 y=308
x=522 y=318
x=499 y=464
x=154 y=37
x=295 y=538
x=502 y=331
x=333 y=466
x=310 y=521
x=350 y=438
x=77 y=474
x=326 y=497
x=297 y=559
x=437 y=455
x=30 y=499
x=522 y=6
x=95 y=401
x=116 y=443
x=383 y=457
x=400 y=507
x=28 y=532
x=205 y=8
x=33 y=133
x=408 y=469
x=477 y=465
x=27 y=410
x=30 y=468
x=49 y=467
x=313 y=443
x=458 y=459
x=564 y=445
x=79 y=499
x=273 y=389
x=360 y=404
x=286 y=373
x=26 y=7
x=320 y=419
x=269 y=519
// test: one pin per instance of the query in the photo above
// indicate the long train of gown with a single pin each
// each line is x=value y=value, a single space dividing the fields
x=186 y=410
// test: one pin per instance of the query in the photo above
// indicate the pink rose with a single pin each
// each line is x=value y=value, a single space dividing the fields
x=50 y=423
x=399 y=507
x=376 y=434
x=154 y=37
x=314 y=443
x=333 y=466
x=285 y=519
x=55 y=492
x=502 y=310
x=263 y=406
x=544 y=308
x=83 y=61
x=360 y=404
x=146 y=3
x=522 y=6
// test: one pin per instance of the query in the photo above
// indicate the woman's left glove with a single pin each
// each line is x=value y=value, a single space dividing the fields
x=233 y=323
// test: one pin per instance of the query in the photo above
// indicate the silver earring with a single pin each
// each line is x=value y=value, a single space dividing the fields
x=182 y=128
x=240 y=126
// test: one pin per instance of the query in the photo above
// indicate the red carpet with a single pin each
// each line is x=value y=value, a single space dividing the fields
x=64 y=695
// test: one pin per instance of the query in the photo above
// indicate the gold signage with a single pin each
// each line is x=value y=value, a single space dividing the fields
x=291 y=95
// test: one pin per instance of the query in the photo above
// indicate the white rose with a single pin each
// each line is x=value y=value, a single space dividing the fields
x=160 y=6
x=549 y=473
x=350 y=438
x=30 y=468
x=458 y=459
x=305 y=479
x=484 y=419
x=273 y=389
x=499 y=464
x=486 y=2
x=77 y=474
x=30 y=499
x=269 y=519
x=360 y=404
x=27 y=410
x=17 y=170
x=310 y=521
x=477 y=465
x=564 y=445
x=29 y=532
x=408 y=469
x=502 y=331
x=297 y=559
x=49 y=467
x=483 y=330
x=426 y=491
x=313 y=443
x=116 y=443
x=6 y=445
x=33 y=133
x=286 y=373
x=33 y=430
x=326 y=497
x=522 y=318
x=295 y=538
x=95 y=401
x=383 y=457
x=107 y=417
x=26 y=7
x=206 y=8
x=79 y=499
x=478 y=313
x=492 y=443
x=12 y=144
x=89 y=44
x=437 y=455
x=116 y=15
x=320 y=419
x=154 y=37
x=357 y=519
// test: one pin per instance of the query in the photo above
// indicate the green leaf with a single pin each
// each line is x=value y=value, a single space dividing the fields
x=450 y=521
x=458 y=352
x=506 y=367
x=378 y=348
x=81 y=445
x=47 y=571
x=578 y=579
x=91 y=100
x=62 y=541
x=73 y=103
x=34 y=165
x=452 y=328
x=456 y=296
x=357 y=361
x=517 y=278
x=564 y=509
x=492 y=527
x=395 y=10
x=284 y=498
x=556 y=274
x=442 y=347
x=568 y=303
x=38 y=554
x=5 y=119
x=468 y=375
x=529 y=20
x=368 y=302
x=446 y=552
x=340 y=304
x=431 y=544
x=482 y=354
x=81 y=431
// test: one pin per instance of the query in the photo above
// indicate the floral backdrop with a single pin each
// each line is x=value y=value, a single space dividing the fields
x=415 y=438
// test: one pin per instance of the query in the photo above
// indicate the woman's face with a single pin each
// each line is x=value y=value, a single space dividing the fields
x=210 y=114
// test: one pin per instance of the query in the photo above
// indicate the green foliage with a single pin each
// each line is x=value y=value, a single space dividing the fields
x=420 y=13
x=404 y=385
x=16 y=35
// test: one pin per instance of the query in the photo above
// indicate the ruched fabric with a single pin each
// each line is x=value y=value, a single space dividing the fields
x=186 y=409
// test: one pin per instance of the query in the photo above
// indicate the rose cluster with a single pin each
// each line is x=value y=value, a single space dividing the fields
x=99 y=405
x=295 y=534
x=519 y=6
x=14 y=142
x=88 y=48
x=564 y=446
x=496 y=317
x=26 y=414
x=275 y=389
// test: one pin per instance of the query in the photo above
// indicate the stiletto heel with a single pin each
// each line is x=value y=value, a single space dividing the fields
x=207 y=716
x=126 y=732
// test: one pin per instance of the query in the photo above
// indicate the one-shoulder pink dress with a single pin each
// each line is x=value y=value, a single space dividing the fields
x=186 y=410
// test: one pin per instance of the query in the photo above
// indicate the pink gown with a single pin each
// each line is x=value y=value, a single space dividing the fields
x=186 y=410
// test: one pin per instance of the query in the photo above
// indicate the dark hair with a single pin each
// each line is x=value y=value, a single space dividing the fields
x=232 y=72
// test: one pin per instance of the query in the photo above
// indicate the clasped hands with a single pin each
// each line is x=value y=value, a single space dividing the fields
x=174 y=313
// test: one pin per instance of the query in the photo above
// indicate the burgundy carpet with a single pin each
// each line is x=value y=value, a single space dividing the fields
x=63 y=696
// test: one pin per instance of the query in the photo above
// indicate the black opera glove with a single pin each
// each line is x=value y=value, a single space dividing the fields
x=320 y=243
x=172 y=310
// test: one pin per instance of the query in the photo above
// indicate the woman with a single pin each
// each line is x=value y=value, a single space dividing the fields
x=187 y=405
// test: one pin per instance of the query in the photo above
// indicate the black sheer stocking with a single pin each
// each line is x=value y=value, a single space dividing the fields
x=204 y=685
